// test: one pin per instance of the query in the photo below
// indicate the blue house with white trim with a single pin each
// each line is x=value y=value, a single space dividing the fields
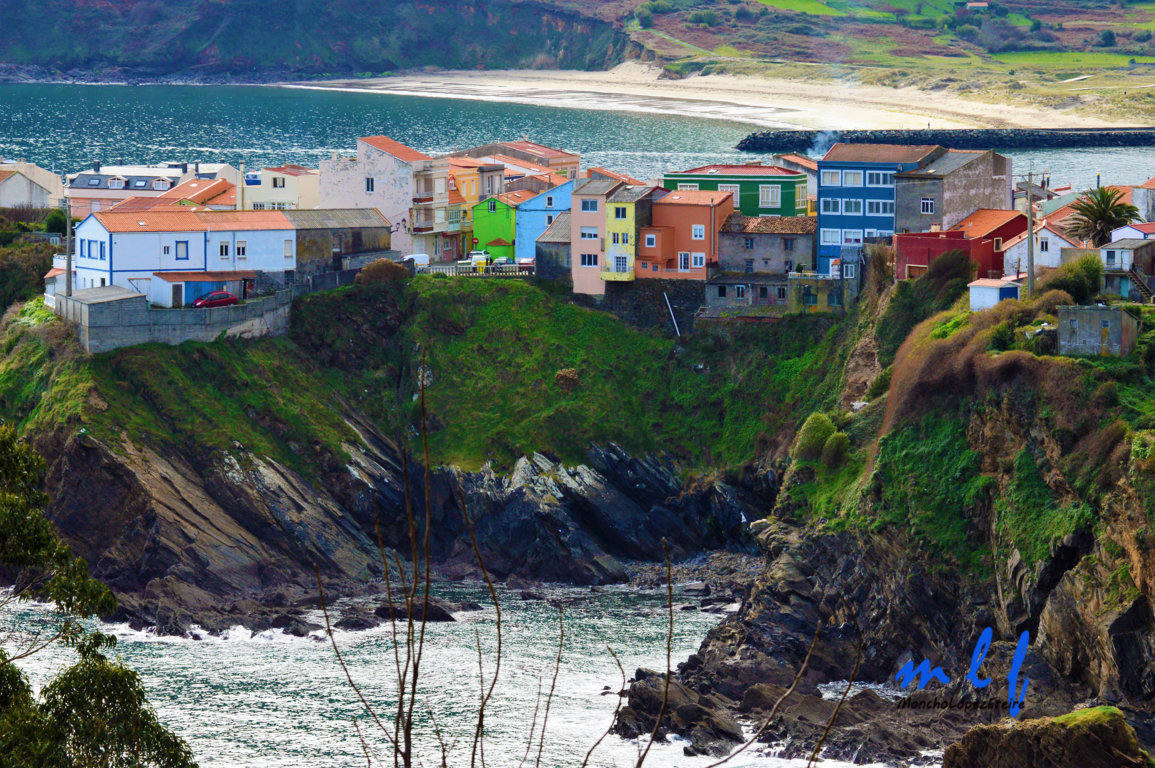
x=534 y=216
x=856 y=193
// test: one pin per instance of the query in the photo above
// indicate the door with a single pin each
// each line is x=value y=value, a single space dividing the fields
x=177 y=295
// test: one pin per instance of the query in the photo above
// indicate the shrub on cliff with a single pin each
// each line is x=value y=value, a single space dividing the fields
x=915 y=300
x=813 y=436
x=835 y=450
x=1079 y=278
x=381 y=271
x=22 y=268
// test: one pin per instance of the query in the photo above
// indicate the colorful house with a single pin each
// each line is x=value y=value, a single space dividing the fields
x=682 y=242
x=588 y=234
x=982 y=236
x=629 y=209
x=536 y=213
x=495 y=223
x=759 y=190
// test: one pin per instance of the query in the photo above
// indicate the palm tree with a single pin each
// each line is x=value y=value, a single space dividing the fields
x=1098 y=212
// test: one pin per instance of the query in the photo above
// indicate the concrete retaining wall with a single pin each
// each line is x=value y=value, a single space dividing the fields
x=109 y=325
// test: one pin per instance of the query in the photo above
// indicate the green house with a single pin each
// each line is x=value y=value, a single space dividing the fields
x=759 y=190
x=495 y=223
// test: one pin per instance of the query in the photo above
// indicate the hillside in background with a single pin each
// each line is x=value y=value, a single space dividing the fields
x=300 y=38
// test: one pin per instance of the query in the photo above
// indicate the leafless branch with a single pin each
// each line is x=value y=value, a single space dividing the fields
x=364 y=745
x=617 y=709
x=532 y=725
x=838 y=708
x=552 y=686
x=669 y=655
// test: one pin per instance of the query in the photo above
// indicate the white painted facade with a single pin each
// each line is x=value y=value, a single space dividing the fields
x=372 y=179
x=26 y=184
x=1049 y=244
x=130 y=259
x=285 y=188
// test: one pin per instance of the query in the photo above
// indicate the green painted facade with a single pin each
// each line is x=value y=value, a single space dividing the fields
x=751 y=200
x=494 y=220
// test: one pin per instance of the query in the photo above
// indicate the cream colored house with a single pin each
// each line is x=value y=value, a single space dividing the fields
x=284 y=188
x=25 y=184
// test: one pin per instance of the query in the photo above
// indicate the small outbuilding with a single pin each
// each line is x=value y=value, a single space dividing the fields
x=989 y=291
x=1097 y=330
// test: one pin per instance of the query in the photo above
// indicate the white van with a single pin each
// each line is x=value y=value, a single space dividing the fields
x=420 y=260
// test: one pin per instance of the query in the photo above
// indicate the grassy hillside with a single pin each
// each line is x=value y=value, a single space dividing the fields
x=512 y=369
x=302 y=38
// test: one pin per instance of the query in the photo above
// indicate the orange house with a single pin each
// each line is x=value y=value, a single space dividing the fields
x=682 y=242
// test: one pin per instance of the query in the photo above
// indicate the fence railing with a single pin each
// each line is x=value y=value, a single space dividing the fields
x=494 y=271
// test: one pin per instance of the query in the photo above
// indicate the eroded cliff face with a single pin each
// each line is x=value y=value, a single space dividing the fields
x=184 y=541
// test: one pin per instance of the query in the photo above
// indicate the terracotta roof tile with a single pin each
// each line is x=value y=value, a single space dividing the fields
x=4 y=175
x=749 y=169
x=879 y=153
x=539 y=149
x=180 y=277
x=694 y=197
x=191 y=220
x=516 y=197
x=395 y=148
x=736 y=223
x=606 y=172
x=292 y=169
x=986 y=220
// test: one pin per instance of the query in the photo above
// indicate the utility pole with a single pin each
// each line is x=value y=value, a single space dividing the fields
x=67 y=246
x=242 y=185
x=1030 y=233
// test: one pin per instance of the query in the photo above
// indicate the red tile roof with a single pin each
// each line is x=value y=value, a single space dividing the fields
x=749 y=169
x=197 y=277
x=879 y=153
x=806 y=162
x=5 y=174
x=539 y=149
x=55 y=271
x=204 y=191
x=1149 y=184
x=455 y=197
x=600 y=171
x=395 y=148
x=736 y=223
x=1060 y=215
x=694 y=197
x=516 y=197
x=553 y=179
x=986 y=220
x=292 y=169
x=1147 y=227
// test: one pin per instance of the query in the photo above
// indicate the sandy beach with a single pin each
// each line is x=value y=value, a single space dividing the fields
x=765 y=102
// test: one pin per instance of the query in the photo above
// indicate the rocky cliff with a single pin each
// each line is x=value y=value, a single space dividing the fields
x=989 y=487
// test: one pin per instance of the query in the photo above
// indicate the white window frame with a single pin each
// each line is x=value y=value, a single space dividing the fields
x=687 y=187
x=160 y=185
x=288 y=249
x=831 y=178
x=849 y=270
x=589 y=206
x=852 y=178
x=683 y=261
x=831 y=237
x=370 y=185
x=242 y=249
x=769 y=195
x=834 y=204
x=852 y=237
x=116 y=183
x=849 y=203
x=881 y=178
x=651 y=241
x=739 y=291
x=733 y=189
x=620 y=213
x=588 y=233
x=588 y=260
x=223 y=249
x=697 y=260
x=698 y=232
x=927 y=206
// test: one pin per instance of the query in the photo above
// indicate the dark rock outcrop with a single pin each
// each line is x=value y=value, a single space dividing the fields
x=698 y=718
x=1093 y=738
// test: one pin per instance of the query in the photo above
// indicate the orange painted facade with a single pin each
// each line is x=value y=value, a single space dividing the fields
x=682 y=242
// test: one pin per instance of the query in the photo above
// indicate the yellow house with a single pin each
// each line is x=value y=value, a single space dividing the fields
x=284 y=188
x=814 y=292
x=628 y=210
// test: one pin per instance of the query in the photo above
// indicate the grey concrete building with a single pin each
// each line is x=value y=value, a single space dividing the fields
x=1096 y=330
x=775 y=244
x=552 y=259
x=740 y=290
x=326 y=239
x=941 y=193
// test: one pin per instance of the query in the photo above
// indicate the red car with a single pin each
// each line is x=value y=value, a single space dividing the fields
x=216 y=299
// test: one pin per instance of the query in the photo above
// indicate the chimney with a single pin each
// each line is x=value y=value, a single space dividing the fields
x=184 y=167
x=96 y=166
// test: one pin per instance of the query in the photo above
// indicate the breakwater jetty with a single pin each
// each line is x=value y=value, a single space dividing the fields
x=816 y=142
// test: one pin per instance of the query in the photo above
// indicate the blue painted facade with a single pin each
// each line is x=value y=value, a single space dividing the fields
x=856 y=200
x=536 y=214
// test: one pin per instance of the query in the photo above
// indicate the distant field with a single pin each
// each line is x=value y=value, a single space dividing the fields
x=1064 y=59
x=812 y=7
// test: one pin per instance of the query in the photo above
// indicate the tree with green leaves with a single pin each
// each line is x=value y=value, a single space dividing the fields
x=1098 y=212
x=93 y=714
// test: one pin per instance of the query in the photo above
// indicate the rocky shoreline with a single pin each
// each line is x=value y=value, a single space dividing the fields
x=958 y=138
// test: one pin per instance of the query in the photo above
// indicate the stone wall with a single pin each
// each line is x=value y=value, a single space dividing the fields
x=642 y=303
x=108 y=325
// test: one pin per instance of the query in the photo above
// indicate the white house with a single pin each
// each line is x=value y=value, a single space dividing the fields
x=1049 y=243
x=1138 y=231
x=283 y=188
x=409 y=188
x=989 y=291
x=102 y=186
x=25 y=184
x=157 y=252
